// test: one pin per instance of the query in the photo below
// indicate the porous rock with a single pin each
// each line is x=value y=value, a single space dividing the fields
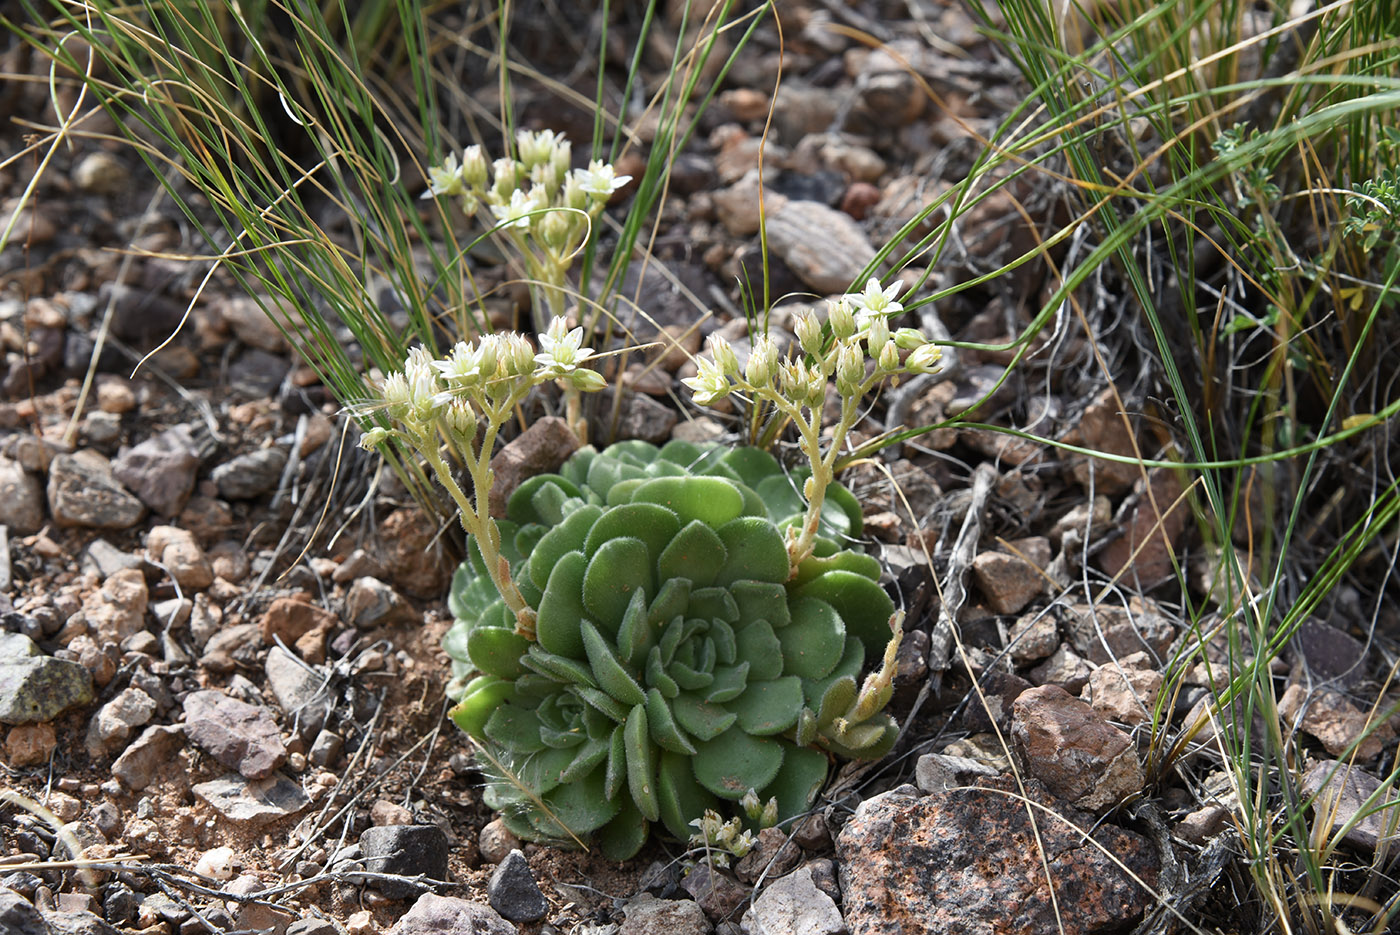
x=970 y=860
x=36 y=688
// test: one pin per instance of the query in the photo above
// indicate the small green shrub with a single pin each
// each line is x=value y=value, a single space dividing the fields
x=678 y=662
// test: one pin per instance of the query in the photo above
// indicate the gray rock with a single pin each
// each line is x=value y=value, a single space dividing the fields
x=647 y=915
x=136 y=767
x=513 y=891
x=106 y=559
x=312 y=927
x=325 y=749
x=793 y=905
x=826 y=248
x=299 y=691
x=35 y=688
x=448 y=915
x=938 y=772
x=21 y=498
x=540 y=449
x=18 y=916
x=79 y=922
x=83 y=492
x=239 y=735
x=249 y=475
x=252 y=801
x=371 y=603
x=409 y=850
x=117 y=610
x=114 y=721
x=252 y=325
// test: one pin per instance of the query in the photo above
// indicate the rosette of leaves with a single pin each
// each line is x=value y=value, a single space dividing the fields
x=677 y=662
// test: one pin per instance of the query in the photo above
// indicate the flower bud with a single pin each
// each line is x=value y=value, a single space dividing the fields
x=906 y=339
x=850 y=370
x=585 y=380
x=769 y=817
x=489 y=351
x=751 y=805
x=555 y=229
x=889 y=358
x=923 y=359
x=573 y=194
x=374 y=438
x=877 y=334
x=725 y=358
x=809 y=333
x=506 y=178
x=474 y=168
x=842 y=319
x=762 y=359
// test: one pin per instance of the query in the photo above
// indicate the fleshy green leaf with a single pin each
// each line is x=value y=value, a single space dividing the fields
x=652 y=523
x=852 y=661
x=682 y=799
x=515 y=728
x=561 y=608
x=752 y=465
x=616 y=772
x=758 y=644
x=634 y=636
x=700 y=719
x=663 y=726
x=713 y=604
x=619 y=567
x=641 y=763
x=497 y=651
x=814 y=641
x=862 y=604
x=656 y=674
x=729 y=683
x=670 y=602
x=560 y=668
x=579 y=807
x=604 y=703
x=761 y=600
x=482 y=697
x=734 y=762
x=588 y=757
x=612 y=677
x=621 y=838
x=756 y=552
x=712 y=500
x=836 y=700
x=695 y=552
x=522 y=506
x=568 y=536
x=798 y=781
x=767 y=708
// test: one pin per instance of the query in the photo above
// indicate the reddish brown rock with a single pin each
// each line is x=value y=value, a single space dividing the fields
x=1151 y=528
x=1009 y=583
x=1123 y=693
x=1078 y=755
x=970 y=860
x=411 y=554
x=30 y=744
x=538 y=450
x=1335 y=721
x=1102 y=428
x=1102 y=633
x=289 y=619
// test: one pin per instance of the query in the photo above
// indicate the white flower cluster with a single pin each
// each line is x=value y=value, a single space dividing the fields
x=859 y=327
x=722 y=838
x=487 y=376
x=520 y=192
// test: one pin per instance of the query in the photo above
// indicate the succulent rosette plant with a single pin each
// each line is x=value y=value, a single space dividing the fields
x=679 y=662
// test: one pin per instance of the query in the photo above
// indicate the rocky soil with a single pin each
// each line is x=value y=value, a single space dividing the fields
x=220 y=676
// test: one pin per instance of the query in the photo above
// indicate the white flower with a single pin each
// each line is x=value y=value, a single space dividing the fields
x=843 y=322
x=462 y=368
x=445 y=180
x=875 y=301
x=517 y=212
x=709 y=384
x=561 y=351
x=725 y=358
x=599 y=179
x=397 y=397
x=474 y=167
x=923 y=359
x=763 y=360
x=536 y=148
x=374 y=438
x=809 y=333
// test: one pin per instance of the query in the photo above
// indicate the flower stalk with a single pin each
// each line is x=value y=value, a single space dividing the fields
x=856 y=331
